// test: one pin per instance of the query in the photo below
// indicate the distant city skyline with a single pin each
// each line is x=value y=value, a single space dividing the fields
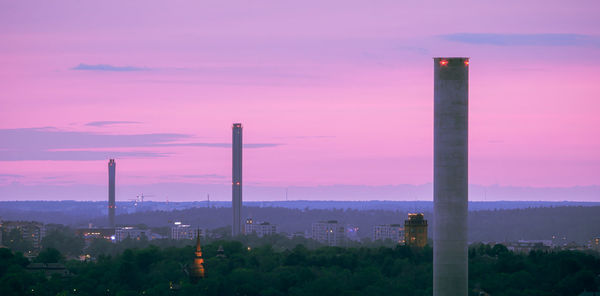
x=332 y=94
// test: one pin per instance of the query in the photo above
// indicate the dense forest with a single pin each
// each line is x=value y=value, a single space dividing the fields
x=271 y=269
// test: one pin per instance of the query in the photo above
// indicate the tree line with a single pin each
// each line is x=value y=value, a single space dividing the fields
x=271 y=266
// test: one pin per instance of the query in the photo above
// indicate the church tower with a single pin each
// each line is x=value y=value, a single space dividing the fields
x=197 y=270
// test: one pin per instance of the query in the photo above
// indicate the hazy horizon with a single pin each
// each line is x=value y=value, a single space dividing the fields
x=187 y=192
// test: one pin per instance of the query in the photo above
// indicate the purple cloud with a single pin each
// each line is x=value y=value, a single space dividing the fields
x=105 y=67
x=524 y=39
x=54 y=144
x=108 y=122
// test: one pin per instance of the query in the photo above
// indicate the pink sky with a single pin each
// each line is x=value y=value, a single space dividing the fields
x=333 y=92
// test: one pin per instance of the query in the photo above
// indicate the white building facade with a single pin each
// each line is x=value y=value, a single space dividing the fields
x=393 y=232
x=259 y=228
x=122 y=233
x=330 y=233
x=185 y=231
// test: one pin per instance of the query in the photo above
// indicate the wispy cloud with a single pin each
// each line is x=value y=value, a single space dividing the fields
x=54 y=144
x=105 y=123
x=74 y=155
x=106 y=67
x=203 y=176
x=524 y=39
x=260 y=145
x=219 y=145
x=49 y=138
x=315 y=137
x=11 y=176
x=303 y=137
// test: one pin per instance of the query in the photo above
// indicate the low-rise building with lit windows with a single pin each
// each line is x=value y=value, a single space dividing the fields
x=393 y=232
x=90 y=234
x=526 y=246
x=330 y=233
x=259 y=228
x=122 y=233
x=185 y=231
x=30 y=231
x=595 y=244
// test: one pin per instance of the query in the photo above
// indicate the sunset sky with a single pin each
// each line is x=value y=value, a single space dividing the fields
x=329 y=92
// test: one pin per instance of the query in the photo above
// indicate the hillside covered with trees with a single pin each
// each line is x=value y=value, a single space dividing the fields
x=578 y=224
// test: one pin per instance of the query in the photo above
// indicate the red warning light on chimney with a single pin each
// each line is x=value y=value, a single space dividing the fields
x=466 y=62
x=443 y=63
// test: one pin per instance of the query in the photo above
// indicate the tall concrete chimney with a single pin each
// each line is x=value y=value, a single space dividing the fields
x=236 y=191
x=111 y=192
x=450 y=176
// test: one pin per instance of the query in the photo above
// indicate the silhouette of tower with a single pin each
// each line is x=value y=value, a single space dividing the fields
x=450 y=176
x=415 y=230
x=111 y=192
x=236 y=198
x=197 y=270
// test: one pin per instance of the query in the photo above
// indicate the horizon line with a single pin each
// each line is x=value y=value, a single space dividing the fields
x=304 y=200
